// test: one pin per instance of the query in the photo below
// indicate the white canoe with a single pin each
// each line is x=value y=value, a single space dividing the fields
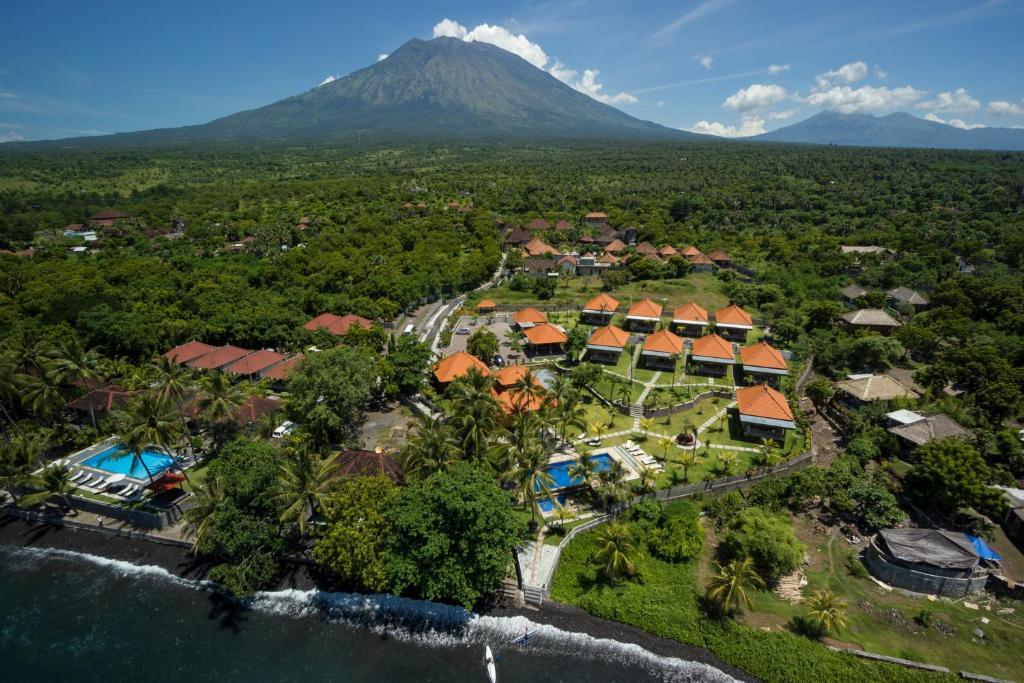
x=492 y=671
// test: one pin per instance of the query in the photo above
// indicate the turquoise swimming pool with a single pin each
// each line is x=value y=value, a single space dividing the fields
x=117 y=460
x=560 y=471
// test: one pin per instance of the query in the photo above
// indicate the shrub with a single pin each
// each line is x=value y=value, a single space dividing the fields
x=766 y=539
x=680 y=536
x=856 y=568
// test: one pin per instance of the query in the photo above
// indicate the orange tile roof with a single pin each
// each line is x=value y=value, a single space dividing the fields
x=457 y=365
x=645 y=308
x=668 y=250
x=189 y=351
x=733 y=315
x=690 y=312
x=602 y=302
x=538 y=247
x=219 y=357
x=691 y=251
x=528 y=316
x=337 y=324
x=511 y=374
x=762 y=355
x=283 y=370
x=609 y=335
x=646 y=248
x=712 y=346
x=663 y=342
x=763 y=401
x=596 y=215
x=545 y=333
x=608 y=258
x=485 y=304
x=699 y=260
x=254 y=362
x=615 y=246
x=512 y=401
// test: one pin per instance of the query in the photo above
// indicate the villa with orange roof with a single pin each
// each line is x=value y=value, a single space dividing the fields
x=526 y=318
x=690 y=320
x=647 y=249
x=643 y=316
x=733 y=323
x=457 y=365
x=337 y=324
x=616 y=246
x=600 y=310
x=183 y=353
x=721 y=258
x=279 y=374
x=711 y=355
x=763 y=363
x=544 y=339
x=219 y=358
x=486 y=306
x=668 y=251
x=606 y=344
x=661 y=350
x=764 y=412
x=538 y=247
x=254 y=364
x=512 y=400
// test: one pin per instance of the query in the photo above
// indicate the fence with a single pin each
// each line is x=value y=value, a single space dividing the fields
x=712 y=487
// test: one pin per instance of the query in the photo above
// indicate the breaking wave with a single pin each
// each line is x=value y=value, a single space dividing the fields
x=426 y=623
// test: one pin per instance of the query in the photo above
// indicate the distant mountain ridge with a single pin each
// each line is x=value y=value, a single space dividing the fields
x=894 y=130
x=442 y=88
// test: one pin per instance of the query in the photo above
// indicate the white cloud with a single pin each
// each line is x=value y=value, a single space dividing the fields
x=659 y=103
x=880 y=73
x=1004 y=108
x=495 y=35
x=955 y=123
x=329 y=79
x=782 y=115
x=756 y=96
x=866 y=98
x=750 y=124
x=956 y=101
x=10 y=136
x=777 y=68
x=382 y=56
x=534 y=54
x=847 y=73
x=706 y=61
x=700 y=11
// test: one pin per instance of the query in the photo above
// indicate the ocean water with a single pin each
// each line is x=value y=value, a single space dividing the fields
x=75 y=617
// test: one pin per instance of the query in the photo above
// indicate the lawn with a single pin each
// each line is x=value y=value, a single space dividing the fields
x=597 y=413
x=885 y=622
x=665 y=602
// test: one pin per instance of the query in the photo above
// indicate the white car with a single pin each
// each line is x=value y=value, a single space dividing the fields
x=284 y=429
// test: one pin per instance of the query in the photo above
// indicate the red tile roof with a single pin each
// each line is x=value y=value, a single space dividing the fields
x=529 y=316
x=188 y=351
x=699 y=260
x=337 y=324
x=663 y=342
x=712 y=346
x=668 y=251
x=255 y=362
x=609 y=335
x=602 y=303
x=545 y=333
x=762 y=355
x=219 y=357
x=511 y=374
x=255 y=408
x=368 y=464
x=645 y=308
x=283 y=370
x=763 y=401
x=486 y=305
x=563 y=225
x=733 y=315
x=457 y=365
x=100 y=400
x=719 y=255
x=690 y=312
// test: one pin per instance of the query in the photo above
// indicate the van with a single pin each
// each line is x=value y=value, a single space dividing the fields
x=409 y=329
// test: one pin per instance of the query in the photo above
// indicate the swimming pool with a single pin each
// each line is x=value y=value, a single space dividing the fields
x=547 y=505
x=117 y=460
x=560 y=471
x=545 y=377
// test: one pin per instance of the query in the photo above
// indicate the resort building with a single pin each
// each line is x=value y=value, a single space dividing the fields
x=667 y=251
x=871 y=319
x=606 y=344
x=733 y=323
x=764 y=412
x=600 y=310
x=851 y=293
x=661 y=351
x=700 y=263
x=538 y=224
x=690 y=320
x=517 y=238
x=927 y=429
x=337 y=325
x=721 y=258
x=643 y=316
x=616 y=246
x=188 y=351
x=763 y=363
x=255 y=408
x=457 y=365
x=647 y=249
x=596 y=217
x=566 y=265
x=99 y=401
x=512 y=400
x=711 y=355
x=255 y=363
x=219 y=358
x=861 y=389
x=544 y=339
x=486 y=306
x=368 y=464
x=525 y=318
x=279 y=374
x=907 y=297
x=537 y=247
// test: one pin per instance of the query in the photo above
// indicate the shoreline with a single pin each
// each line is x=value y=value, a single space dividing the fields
x=21 y=533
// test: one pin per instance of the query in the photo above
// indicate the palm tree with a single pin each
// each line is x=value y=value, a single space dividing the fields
x=304 y=486
x=11 y=382
x=646 y=480
x=665 y=443
x=828 y=611
x=691 y=431
x=219 y=398
x=624 y=392
x=533 y=479
x=171 y=383
x=727 y=460
x=727 y=588
x=153 y=422
x=430 y=448
x=528 y=390
x=17 y=461
x=570 y=413
x=597 y=429
x=71 y=361
x=687 y=460
x=41 y=395
x=134 y=442
x=645 y=424
x=207 y=499
x=616 y=552
x=54 y=483
x=583 y=469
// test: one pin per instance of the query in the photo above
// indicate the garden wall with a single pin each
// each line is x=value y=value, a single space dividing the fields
x=138 y=518
x=680 y=407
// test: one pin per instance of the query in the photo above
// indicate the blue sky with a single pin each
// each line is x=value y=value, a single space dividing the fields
x=729 y=67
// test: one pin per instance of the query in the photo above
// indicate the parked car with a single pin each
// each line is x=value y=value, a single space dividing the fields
x=499 y=360
x=462 y=330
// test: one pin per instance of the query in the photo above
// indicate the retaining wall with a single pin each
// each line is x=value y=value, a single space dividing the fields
x=139 y=518
x=882 y=567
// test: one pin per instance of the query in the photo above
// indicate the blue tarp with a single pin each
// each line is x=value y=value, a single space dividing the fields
x=984 y=552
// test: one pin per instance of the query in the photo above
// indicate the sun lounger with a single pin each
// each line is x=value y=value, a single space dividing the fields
x=131 y=491
x=79 y=476
x=90 y=480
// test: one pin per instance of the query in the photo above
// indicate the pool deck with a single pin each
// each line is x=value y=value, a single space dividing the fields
x=76 y=463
